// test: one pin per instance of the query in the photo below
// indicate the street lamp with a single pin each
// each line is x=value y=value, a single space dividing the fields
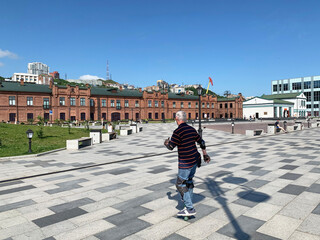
x=29 y=135
x=232 y=124
x=199 y=94
x=164 y=118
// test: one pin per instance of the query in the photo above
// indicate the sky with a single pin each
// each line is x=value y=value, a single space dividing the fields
x=242 y=45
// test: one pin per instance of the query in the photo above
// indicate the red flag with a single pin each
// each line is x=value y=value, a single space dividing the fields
x=210 y=80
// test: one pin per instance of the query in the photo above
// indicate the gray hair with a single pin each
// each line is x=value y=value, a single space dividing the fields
x=182 y=116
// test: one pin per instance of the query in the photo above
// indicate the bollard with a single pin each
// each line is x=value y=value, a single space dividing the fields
x=285 y=125
x=308 y=122
x=232 y=124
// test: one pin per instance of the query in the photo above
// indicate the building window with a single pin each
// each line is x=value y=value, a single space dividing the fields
x=62 y=116
x=174 y=104
x=212 y=115
x=162 y=104
x=149 y=103
x=112 y=103
x=231 y=105
x=231 y=115
x=156 y=103
x=104 y=116
x=29 y=116
x=126 y=104
x=316 y=96
x=316 y=84
x=181 y=104
x=189 y=115
x=189 y=106
x=103 y=103
x=285 y=87
x=156 y=115
x=296 y=86
x=72 y=101
x=62 y=101
x=82 y=101
x=307 y=85
x=203 y=105
x=12 y=117
x=308 y=105
x=280 y=86
x=212 y=105
x=137 y=104
x=220 y=105
x=46 y=103
x=226 y=105
x=275 y=88
x=126 y=116
x=29 y=101
x=91 y=102
x=12 y=100
x=197 y=105
x=308 y=95
x=118 y=105
x=208 y=105
x=83 y=116
x=150 y=115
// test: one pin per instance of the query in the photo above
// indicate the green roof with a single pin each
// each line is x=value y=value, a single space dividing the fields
x=281 y=101
x=179 y=96
x=27 y=87
x=226 y=99
x=281 y=96
x=108 y=92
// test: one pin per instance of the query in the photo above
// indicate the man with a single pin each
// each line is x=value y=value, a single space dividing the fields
x=278 y=127
x=185 y=137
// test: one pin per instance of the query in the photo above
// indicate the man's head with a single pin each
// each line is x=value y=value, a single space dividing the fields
x=181 y=117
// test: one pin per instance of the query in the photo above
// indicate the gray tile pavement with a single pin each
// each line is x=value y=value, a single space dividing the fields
x=254 y=188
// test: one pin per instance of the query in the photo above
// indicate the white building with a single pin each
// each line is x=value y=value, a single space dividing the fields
x=178 y=89
x=274 y=106
x=38 y=68
x=310 y=86
x=27 y=77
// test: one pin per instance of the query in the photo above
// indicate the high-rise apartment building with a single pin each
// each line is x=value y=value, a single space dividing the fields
x=38 y=68
x=310 y=86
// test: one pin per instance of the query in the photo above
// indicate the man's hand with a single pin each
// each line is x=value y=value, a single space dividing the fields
x=206 y=158
x=167 y=144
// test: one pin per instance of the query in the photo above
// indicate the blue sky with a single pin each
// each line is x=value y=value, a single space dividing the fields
x=243 y=45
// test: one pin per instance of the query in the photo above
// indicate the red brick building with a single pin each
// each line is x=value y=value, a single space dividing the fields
x=21 y=101
x=55 y=75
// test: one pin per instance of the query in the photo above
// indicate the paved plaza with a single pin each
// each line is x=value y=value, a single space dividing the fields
x=255 y=188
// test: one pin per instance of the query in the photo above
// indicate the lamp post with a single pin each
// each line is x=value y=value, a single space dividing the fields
x=199 y=94
x=232 y=125
x=29 y=135
x=164 y=118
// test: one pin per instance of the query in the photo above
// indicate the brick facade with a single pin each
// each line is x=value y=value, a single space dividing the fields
x=85 y=103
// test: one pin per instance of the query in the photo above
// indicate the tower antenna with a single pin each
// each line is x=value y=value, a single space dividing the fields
x=108 y=76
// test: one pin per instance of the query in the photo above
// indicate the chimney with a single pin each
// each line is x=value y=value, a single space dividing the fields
x=120 y=88
x=21 y=81
x=140 y=90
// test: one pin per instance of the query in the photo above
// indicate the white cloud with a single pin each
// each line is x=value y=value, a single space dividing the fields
x=6 y=53
x=1 y=64
x=89 y=77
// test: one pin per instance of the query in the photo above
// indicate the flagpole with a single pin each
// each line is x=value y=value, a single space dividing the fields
x=208 y=88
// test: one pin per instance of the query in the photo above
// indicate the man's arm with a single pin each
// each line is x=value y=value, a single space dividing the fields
x=202 y=143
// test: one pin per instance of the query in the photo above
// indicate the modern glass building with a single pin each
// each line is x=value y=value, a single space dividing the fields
x=310 y=86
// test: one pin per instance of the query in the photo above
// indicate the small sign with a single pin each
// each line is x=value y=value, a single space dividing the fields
x=50 y=112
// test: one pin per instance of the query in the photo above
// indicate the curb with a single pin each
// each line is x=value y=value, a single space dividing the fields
x=32 y=155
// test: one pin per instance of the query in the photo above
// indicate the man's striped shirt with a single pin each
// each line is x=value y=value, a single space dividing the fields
x=185 y=137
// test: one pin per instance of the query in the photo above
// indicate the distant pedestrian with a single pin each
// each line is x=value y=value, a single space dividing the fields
x=278 y=127
x=185 y=137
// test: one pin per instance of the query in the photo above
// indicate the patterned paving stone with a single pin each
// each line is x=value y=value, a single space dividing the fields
x=59 y=217
x=241 y=228
x=293 y=189
x=291 y=176
x=315 y=188
x=17 y=189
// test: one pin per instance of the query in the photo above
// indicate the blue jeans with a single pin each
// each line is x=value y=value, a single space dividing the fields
x=187 y=174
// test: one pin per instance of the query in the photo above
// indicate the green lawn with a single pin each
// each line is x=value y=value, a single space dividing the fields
x=14 y=139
